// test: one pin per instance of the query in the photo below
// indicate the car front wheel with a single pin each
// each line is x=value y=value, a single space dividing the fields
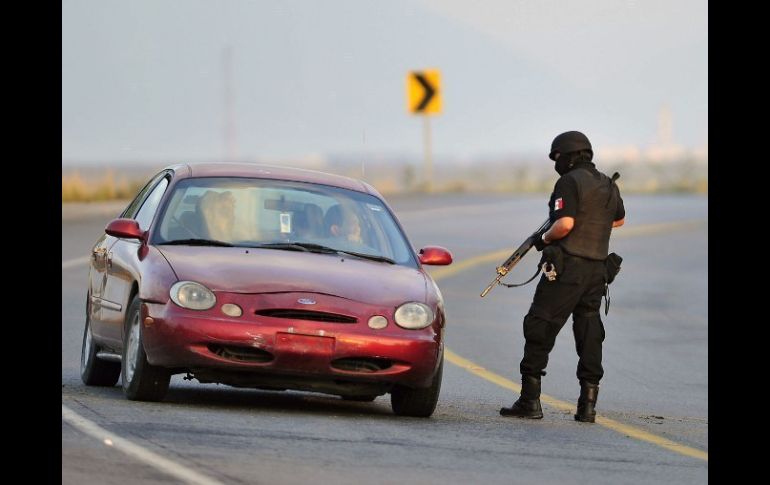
x=141 y=380
x=420 y=403
x=94 y=371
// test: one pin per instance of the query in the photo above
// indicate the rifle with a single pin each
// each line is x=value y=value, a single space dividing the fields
x=514 y=258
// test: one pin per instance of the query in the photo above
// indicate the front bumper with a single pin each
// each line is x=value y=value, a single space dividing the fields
x=213 y=344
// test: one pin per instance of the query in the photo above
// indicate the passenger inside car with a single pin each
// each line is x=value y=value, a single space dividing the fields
x=217 y=210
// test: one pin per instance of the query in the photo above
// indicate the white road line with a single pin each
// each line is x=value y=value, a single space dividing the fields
x=70 y=263
x=142 y=454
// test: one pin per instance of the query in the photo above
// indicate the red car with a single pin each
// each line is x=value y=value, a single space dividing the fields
x=264 y=277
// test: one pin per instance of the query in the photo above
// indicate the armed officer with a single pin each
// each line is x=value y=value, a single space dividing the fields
x=584 y=207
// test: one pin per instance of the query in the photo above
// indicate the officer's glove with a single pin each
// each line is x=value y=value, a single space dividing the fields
x=538 y=242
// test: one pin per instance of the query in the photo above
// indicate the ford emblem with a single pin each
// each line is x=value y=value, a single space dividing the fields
x=306 y=301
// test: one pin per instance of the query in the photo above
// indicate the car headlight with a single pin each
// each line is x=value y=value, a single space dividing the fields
x=192 y=295
x=414 y=315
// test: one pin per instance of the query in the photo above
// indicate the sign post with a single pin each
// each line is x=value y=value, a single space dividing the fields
x=423 y=97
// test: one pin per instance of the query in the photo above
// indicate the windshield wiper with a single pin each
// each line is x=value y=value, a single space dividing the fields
x=372 y=257
x=198 y=242
x=280 y=245
x=316 y=248
x=319 y=248
x=296 y=246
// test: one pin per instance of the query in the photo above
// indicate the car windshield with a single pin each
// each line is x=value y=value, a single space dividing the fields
x=277 y=214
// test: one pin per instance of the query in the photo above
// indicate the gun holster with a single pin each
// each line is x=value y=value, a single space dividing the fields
x=612 y=266
x=553 y=259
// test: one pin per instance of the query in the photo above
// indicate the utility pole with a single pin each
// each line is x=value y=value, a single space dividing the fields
x=428 y=156
x=231 y=152
x=665 y=126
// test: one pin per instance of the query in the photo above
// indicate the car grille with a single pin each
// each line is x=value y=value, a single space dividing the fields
x=362 y=364
x=306 y=315
x=241 y=354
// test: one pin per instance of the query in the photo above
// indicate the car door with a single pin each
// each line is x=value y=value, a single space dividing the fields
x=121 y=265
x=97 y=278
x=99 y=260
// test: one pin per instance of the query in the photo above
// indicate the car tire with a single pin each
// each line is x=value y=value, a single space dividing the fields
x=94 y=371
x=141 y=380
x=420 y=403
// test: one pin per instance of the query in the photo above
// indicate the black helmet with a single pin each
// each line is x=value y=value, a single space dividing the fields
x=570 y=141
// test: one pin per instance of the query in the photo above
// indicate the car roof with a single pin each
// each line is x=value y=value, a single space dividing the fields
x=256 y=170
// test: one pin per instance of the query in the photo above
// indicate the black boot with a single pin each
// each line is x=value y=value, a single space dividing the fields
x=528 y=405
x=585 y=406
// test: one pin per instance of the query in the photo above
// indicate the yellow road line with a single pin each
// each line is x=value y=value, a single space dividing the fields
x=497 y=257
x=71 y=263
x=621 y=428
x=459 y=267
x=473 y=368
x=646 y=229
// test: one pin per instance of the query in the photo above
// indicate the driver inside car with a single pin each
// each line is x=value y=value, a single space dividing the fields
x=343 y=224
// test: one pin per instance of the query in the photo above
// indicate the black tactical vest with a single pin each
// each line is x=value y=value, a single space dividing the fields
x=597 y=206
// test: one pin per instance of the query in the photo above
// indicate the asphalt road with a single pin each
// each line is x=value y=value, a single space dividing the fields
x=653 y=398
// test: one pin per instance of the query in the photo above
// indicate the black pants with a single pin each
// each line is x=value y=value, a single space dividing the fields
x=578 y=291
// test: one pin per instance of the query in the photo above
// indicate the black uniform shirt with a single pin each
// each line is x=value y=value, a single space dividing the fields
x=564 y=199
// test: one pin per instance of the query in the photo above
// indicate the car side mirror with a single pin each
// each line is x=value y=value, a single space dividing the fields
x=435 y=255
x=124 y=228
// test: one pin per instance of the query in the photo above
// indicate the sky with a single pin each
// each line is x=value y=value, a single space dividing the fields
x=144 y=80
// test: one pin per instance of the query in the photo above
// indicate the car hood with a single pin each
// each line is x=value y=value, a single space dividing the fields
x=240 y=270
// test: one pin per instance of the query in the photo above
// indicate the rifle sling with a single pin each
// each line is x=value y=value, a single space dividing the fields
x=521 y=284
